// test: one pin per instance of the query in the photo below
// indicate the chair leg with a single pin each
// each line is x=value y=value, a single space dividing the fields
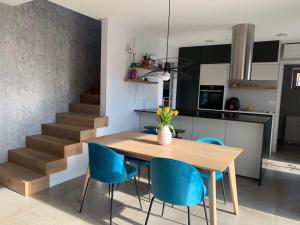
x=149 y=186
x=163 y=209
x=149 y=210
x=109 y=190
x=118 y=187
x=204 y=207
x=189 y=216
x=137 y=191
x=111 y=203
x=139 y=172
x=82 y=201
x=223 y=189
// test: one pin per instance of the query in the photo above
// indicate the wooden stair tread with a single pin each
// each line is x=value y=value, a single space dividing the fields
x=67 y=126
x=38 y=161
x=79 y=115
x=83 y=108
x=54 y=145
x=90 y=99
x=56 y=140
x=27 y=170
x=18 y=172
x=68 y=131
x=79 y=119
x=37 y=155
x=22 y=180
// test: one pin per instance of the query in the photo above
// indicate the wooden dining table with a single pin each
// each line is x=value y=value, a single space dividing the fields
x=206 y=157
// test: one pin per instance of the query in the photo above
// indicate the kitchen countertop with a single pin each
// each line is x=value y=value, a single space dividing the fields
x=251 y=117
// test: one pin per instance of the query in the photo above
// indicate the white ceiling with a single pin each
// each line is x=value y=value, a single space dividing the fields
x=195 y=21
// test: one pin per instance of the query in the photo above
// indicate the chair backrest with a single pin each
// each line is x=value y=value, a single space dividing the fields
x=150 y=131
x=106 y=165
x=210 y=140
x=176 y=182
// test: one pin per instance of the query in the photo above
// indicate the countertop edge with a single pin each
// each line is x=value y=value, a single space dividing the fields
x=222 y=115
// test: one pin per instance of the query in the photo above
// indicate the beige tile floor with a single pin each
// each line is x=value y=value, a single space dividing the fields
x=276 y=202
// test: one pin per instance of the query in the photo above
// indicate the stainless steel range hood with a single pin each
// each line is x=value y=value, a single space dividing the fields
x=241 y=59
x=242 y=52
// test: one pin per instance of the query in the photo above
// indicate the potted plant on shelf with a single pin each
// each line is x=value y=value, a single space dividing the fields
x=132 y=71
x=146 y=62
x=164 y=118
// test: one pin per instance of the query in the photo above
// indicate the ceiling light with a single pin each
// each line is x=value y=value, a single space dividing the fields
x=282 y=35
x=169 y=67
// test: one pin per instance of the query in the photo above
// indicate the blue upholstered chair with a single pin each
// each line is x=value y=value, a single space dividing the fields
x=176 y=183
x=140 y=162
x=219 y=175
x=108 y=167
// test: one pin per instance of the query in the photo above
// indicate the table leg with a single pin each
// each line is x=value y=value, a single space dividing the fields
x=212 y=198
x=87 y=176
x=233 y=188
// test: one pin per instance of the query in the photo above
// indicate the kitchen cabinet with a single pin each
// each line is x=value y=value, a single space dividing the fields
x=187 y=90
x=291 y=51
x=261 y=71
x=191 y=53
x=218 y=74
x=214 y=74
x=248 y=136
x=203 y=127
x=266 y=51
x=213 y=54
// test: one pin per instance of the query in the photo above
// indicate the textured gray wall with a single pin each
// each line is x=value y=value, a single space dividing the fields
x=48 y=56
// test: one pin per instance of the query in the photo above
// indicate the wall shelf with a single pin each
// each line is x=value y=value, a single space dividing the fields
x=245 y=87
x=140 y=81
x=254 y=84
x=148 y=68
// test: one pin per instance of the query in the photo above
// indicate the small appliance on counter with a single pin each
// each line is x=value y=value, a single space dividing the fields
x=233 y=104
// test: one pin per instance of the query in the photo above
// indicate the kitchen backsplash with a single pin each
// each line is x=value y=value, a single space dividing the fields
x=258 y=99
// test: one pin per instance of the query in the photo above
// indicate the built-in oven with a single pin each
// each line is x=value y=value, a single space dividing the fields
x=211 y=97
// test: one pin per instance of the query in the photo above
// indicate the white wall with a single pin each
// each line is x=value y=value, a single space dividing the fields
x=119 y=99
x=259 y=99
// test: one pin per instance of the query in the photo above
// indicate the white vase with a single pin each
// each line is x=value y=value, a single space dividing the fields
x=164 y=136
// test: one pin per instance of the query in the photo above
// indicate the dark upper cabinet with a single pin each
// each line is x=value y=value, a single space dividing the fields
x=191 y=53
x=215 y=54
x=187 y=90
x=266 y=51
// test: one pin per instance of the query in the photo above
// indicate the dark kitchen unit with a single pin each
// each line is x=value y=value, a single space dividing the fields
x=166 y=93
x=188 y=90
x=211 y=97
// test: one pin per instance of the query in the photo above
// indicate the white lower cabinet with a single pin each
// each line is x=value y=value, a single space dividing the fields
x=248 y=136
x=203 y=127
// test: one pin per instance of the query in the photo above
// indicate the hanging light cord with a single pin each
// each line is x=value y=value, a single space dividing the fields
x=168 y=33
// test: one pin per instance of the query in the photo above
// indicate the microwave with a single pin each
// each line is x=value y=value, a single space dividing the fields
x=211 y=97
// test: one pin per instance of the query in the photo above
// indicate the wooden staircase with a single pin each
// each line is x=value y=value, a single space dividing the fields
x=27 y=170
